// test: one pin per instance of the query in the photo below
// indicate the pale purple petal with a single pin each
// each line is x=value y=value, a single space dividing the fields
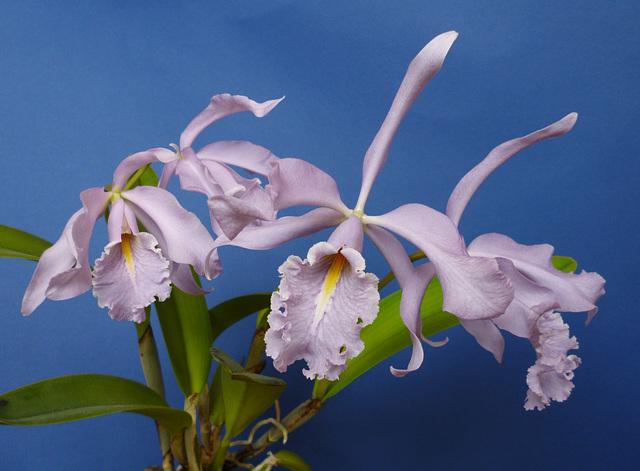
x=348 y=234
x=425 y=65
x=530 y=301
x=234 y=214
x=221 y=106
x=182 y=277
x=487 y=335
x=58 y=258
x=299 y=183
x=181 y=236
x=466 y=187
x=76 y=280
x=573 y=292
x=413 y=290
x=392 y=251
x=472 y=287
x=321 y=306
x=195 y=176
x=121 y=219
x=135 y=161
x=167 y=172
x=227 y=179
x=243 y=154
x=549 y=379
x=130 y=275
x=270 y=234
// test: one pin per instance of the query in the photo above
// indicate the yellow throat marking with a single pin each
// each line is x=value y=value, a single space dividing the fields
x=127 y=254
x=329 y=285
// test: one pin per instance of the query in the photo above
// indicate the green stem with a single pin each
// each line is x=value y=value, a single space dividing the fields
x=292 y=421
x=153 y=376
x=206 y=450
x=191 y=440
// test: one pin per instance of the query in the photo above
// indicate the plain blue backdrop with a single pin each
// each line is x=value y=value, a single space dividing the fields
x=84 y=84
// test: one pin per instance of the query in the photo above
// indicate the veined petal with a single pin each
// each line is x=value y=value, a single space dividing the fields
x=270 y=234
x=466 y=187
x=243 y=154
x=472 y=287
x=321 y=306
x=300 y=183
x=549 y=379
x=130 y=275
x=221 y=106
x=425 y=65
x=573 y=292
x=180 y=234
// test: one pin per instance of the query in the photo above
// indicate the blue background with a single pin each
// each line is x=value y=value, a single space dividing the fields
x=84 y=84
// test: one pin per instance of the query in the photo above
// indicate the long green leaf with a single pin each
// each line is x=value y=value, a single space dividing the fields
x=388 y=334
x=227 y=313
x=186 y=329
x=15 y=243
x=83 y=396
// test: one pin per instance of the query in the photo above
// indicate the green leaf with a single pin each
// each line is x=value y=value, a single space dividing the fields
x=565 y=264
x=148 y=177
x=243 y=397
x=227 y=313
x=186 y=329
x=388 y=334
x=82 y=396
x=290 y=460
x=15 y=243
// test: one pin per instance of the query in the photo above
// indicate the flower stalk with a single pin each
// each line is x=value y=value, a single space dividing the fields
x=153 y=376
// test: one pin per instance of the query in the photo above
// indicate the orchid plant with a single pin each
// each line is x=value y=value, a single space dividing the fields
x=327 y=309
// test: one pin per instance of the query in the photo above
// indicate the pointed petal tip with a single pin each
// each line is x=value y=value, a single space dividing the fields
x=564 y=125
x=398 y=373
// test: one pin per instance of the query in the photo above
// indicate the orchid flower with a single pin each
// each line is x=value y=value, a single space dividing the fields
x=314 y=306
x=136 y=267
x=539 y=288
x=234 y=201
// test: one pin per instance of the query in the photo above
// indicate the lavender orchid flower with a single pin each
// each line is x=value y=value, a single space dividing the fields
x=136 y=267
x=324 y=329
x=540 y=289
x=234 y=201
